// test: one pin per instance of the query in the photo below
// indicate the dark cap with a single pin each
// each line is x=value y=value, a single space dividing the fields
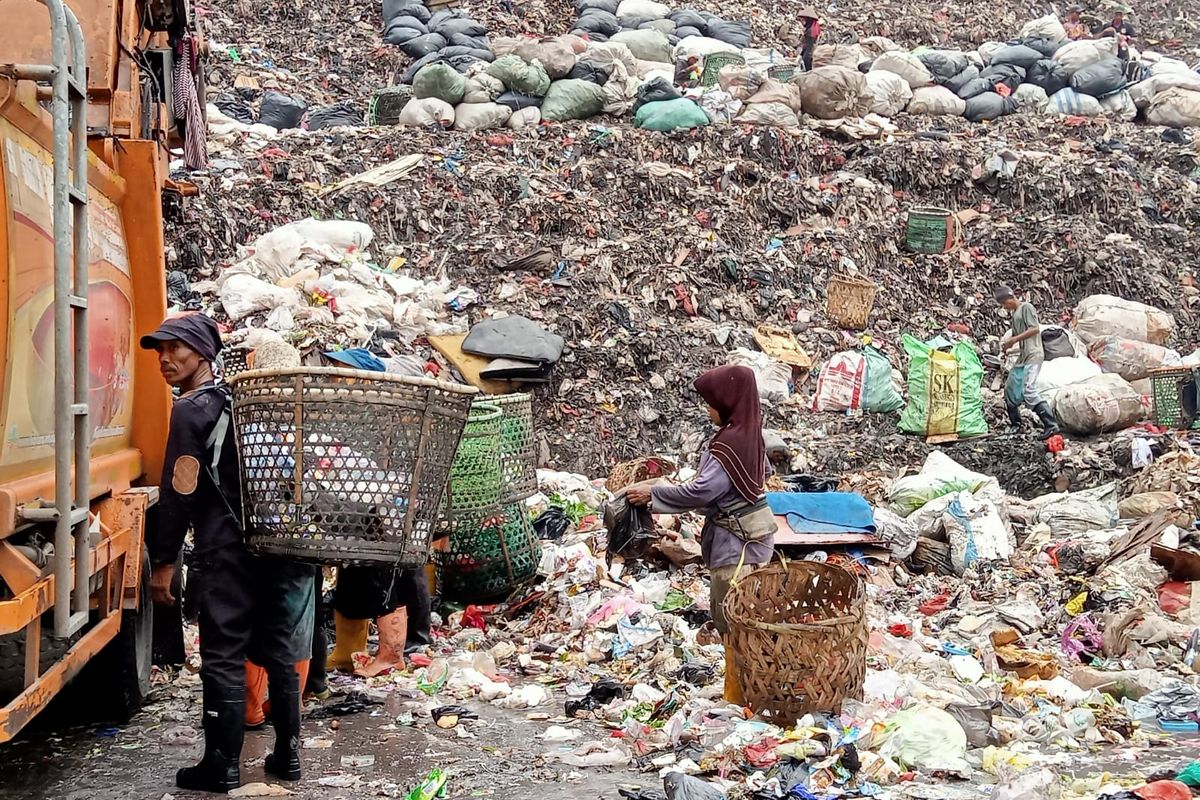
x=195 y=330
x=1003 y=293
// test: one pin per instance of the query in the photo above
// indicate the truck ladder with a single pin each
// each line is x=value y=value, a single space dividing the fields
x=72 y=432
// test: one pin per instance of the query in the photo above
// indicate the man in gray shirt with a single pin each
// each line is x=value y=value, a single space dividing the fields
x=1020 y=388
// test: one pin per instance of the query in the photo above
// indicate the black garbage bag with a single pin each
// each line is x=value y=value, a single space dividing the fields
x=516 y=101
x=1100 y=79
x=630 y=528
x=552 y=524
x=1047 y=47
x=588 y=71
x=597 y=21
x=653 y=90
x=988 y=106
x=235 y=108
x=1017 y=55
x=398 y=35
x=589 y=35
x=401 y=8
x=469 y=42
x=410 y=73
x=960 y=80
x=734 y=33
x=689 y=18
x=461 y=63
x=633 y=23
x=1009 y=74
x=467 y=27
x=684 y=31
x=609 y=6
x=865 y=66
x=975 y=87
x=281 y=111
x=446 y=14
x=1056 y=343
x=1049 y=75
x=943 y=64
x=408 y=21
x=454 y=51
x=603 y=692
x=339 y=115
x=421 y=46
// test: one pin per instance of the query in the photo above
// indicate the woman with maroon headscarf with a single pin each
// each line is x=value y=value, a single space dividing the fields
x=739 y=531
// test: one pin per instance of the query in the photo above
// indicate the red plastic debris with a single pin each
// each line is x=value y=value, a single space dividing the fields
x=935 y=606
x=1164 y=790
x=902 y=629
x=1056 y=444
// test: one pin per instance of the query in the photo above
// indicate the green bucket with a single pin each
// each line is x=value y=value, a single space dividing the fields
x=930 y=230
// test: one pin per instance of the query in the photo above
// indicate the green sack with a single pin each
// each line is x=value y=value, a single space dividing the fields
x=879 y=395
x=441 y=81
x=945 y=389
x=573 y=99
x=670 y=115
x=530 y=79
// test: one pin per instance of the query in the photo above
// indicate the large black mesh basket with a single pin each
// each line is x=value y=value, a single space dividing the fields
x=342 y=465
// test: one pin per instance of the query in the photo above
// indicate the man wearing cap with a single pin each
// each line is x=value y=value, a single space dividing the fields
x=1020 y=387
x=812 y=32
x=1121 y=29
x=250 y=606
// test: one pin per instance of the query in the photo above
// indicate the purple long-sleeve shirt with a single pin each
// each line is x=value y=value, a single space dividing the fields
x=711 y=487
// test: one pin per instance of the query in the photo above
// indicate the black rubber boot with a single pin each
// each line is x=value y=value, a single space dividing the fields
x=220 y=768
x=1015 y=423
x=284 y=763
x=1049 y=423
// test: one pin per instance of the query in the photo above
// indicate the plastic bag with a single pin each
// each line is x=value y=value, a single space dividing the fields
x=774 y=379
x=1031 y=99
x=720 y=106
x=441 y=81
x=1070 y=103
x=1105 y=315
x=670 y=115
x=655 y=91
x=1049 y=75
x=962 y=79
x=976 y=532
x=936 y=101
x=642 y=8
x=926 y=738
x=527 y=117
x=572 y=99
x=988 y=106
x=907 y=66
x=1011 y=75
x=944 y=388
x=1129 y=358
x=736 y=33
x=1101 y=78
x=838 y=55
x=409 y=8
x=480 y=116
x=281 y=111
x=772 y=91
x=650 y=45
x=1074 y=56
x=774 y=114
x=939 y=476
x=429 y=111
x=1175 y=108
x=834 y=92
x=242 y=295
x=741 y=82
x=517 y=101
x=890 y=93
x=1143 y=92
x=421 y=46
x=899 y=533
x=1098 y=405
x=595 y=21
x=556 y=56
x=528 y=79
x=482 y=88
x=1047 y=27
x=630 y=528
x=943 y=65
x=1017 y=55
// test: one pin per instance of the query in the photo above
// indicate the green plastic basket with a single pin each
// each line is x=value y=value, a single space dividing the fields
x=385 y=107
x=930 y=230
x=517 y=459
x=1169 y=388
x=714 y=63
x=477 y=476
x=782 y=72
x=489 y=553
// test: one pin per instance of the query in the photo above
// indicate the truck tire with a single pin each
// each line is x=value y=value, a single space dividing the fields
x=117 y=680
x=12 y=657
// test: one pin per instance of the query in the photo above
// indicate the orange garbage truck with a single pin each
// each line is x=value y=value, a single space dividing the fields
x=86 y=124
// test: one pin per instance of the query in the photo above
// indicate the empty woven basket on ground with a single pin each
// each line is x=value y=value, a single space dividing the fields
x=517 y=460
x=488 y=553
x=799 y=634
x=848 y=301
x=342 y=465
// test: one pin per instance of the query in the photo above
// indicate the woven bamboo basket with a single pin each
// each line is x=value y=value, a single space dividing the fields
x=343 y=465
x=233 y=361
x=848 y=301
x=646 y=468
x=713 y=64
x=489 y=553
x=517 y=459
x=799 y=634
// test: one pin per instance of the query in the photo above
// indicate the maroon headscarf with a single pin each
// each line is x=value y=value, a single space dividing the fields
x=738 y=445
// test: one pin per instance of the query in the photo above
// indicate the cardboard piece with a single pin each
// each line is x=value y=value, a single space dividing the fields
x=469 y=366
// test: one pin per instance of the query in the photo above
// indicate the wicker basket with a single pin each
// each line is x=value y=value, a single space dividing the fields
x=628 y=473
x=713 y=64
x=848 y=301
x=233 y=361
x=342 y=465
x=799 y=634
x=489 y=553
x=477 y=477
x=517 y=459
x=1171 y=388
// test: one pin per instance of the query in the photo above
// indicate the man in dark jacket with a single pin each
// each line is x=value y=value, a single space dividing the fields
x=249 y=606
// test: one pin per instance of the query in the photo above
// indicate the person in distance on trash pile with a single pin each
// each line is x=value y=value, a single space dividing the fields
x=250 y=607
x=1075 y=27
x=1020 y=387
x=812 y=32
x=1120 y=28
x=739 y=529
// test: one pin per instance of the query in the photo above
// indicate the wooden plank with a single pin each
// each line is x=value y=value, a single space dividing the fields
x=469 y=365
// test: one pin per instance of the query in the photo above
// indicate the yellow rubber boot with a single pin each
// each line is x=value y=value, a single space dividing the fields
x=733 y=683
x=350 y=637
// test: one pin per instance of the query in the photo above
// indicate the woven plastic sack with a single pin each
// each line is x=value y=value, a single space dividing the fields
x=670 y=115
x=1175 y=108
x=1047 y=27
x=482 y=88
x=1074 y=56
x=774 y=114
x=838 y=55
x=1099 y=405
x=741 y=82
x=1070 y=103
x=480 y=116
x=441 y=81
x=890 y=93
x=700 y=46
x=649 y=45
x=1031 y=99
x=907 y=66
x=515 y=74
x=773 y=91
x=989 y=106
x=647 y=9
x=943 y=65
x=429 y=111
x=1104 y=315
x=1131 y=359
x=976 y=532
x=834 y=92
x=936 y=101
x=556 y=56
x=720 y=106
x=524 y=118
x=1119 y=106
x=572 y=99
x=945 y=389
x=1144 y=91
x=852 y=381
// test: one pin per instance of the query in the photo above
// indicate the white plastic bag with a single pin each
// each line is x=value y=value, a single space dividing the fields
x=647 y=9
x=1076 y=513
x=242 y=295
x=926 y=738
x=480 y=116
x=940 y=475
x=773 y=378
x=976 y=532
x=1074 y=56
x=1104 y=315
x=429 y=111
x=889 y=92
